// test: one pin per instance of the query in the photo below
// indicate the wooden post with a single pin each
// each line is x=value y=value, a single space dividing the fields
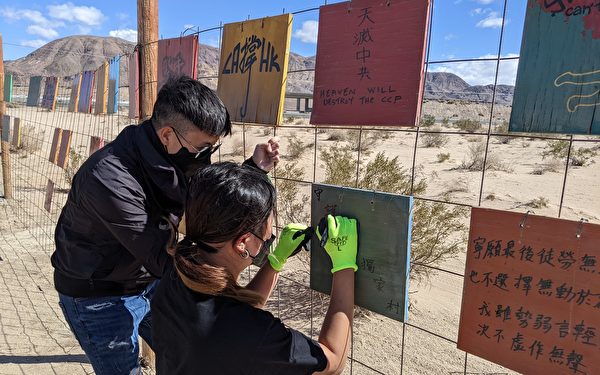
x=148 y=42
x=6 y=167
x=148 y=52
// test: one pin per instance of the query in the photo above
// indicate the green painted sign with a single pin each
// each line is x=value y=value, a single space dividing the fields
x=558 y=80
x=8 y=87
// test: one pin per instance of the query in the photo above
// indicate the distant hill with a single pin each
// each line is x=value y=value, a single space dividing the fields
x=70 y=55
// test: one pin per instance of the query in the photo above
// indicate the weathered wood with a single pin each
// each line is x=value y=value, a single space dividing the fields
x=148 y=47
x=6 y=166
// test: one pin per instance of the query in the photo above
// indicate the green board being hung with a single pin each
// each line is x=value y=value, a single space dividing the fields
x=385 y=223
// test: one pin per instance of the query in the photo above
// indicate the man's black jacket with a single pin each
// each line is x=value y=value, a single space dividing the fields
x=111 y=235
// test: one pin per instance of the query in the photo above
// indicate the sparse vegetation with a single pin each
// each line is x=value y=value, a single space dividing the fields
x=32 y=139
x=476 y=158
x=442 y=157
x=540 y=202
x=503 y=129
x=559 y=149
x=296 y=146
x=468 y=125
x=445 y=121
x=76 y=158
x=292 y=206
x=435 y=140
x=553 y=165
x=427 y=121
x=363 y=143
x=490 y=197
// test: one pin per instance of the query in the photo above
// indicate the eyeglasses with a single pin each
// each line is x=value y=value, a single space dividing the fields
x=203 y=152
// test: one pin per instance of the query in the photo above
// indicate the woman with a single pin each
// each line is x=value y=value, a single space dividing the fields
x=204 y=322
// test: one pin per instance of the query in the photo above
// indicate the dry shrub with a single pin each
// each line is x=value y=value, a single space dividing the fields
x=427 y=121
x=442 y=157
x=434 y=140
x=292 y=206
x=32 y=139
x=476 y=158
x=296 y=147
x=540 y=202
x=552 y=165
x=468 y=125
x=76 y=158
x=580 y=157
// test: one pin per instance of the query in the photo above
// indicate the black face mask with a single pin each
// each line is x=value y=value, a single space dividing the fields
x=189 y=162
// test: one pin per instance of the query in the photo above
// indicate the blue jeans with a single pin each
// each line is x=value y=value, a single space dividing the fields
x=107 y=329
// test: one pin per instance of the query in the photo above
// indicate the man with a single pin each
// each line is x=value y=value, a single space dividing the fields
x=112 y=234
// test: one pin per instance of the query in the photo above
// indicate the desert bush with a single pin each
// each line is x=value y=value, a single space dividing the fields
x=435 y=140
x=427 y=121
x=296 y=147
x=476 y=157
x=267 y=131
x=503 y=129
x=468 y=125
x=445 y=121
x=32 y=139
x=553 y=165
x=438 y=232
x=291 y=204
x=490 y=197
x=76 y=158
x=337 y=136
x=442 y=157
x=559 y=149
x=363 y=143
x=540 y=202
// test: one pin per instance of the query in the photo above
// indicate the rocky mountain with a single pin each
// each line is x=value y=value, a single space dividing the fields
x=70 y=55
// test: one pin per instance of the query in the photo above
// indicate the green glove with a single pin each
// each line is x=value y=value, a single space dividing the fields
x=291 y=240
x=341 y=242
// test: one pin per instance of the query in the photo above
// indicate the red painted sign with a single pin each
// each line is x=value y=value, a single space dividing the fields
x=369 y=64
x=177 y=57
x=531 y=296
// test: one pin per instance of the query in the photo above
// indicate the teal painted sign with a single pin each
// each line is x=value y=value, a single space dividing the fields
x=558 y=80
x=8 y=87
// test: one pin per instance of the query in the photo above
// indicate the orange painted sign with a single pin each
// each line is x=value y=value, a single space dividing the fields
x=531 y=297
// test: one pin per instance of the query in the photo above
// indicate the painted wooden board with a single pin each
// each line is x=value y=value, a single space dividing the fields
x=33 y=94
x=16 y=136
x=177 y=57
x=5 y=128
x=8 y=87
x=370 y=63
x=49 y=194
x=385 y=222
x=253 y=68
x=134 y=85
x=50 y=93
x=101 y=89
x=86 y=92
x=113 y=85
x=96 y=143
x=558 y=80
x=74 y=98
x=62 y=159
x=55 y=145
x=531 y=295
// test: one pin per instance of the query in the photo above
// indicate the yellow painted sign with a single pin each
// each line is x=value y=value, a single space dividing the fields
x=101 y=88
x=253 y=68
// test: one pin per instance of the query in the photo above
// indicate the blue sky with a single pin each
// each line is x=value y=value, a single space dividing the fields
x=461 y=29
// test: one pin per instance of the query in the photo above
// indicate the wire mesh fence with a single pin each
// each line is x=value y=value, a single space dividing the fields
x=462 y=156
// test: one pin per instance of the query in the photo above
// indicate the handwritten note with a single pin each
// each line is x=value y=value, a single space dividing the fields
x=531 y=297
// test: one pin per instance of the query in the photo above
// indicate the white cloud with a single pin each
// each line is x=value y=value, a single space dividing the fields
x=450 y=36
x=127 y=34
x=36 y=43
x=188 y=26
x=493 y=20
x=308 y=32
x=123 y=16
x=90 y=16
x=12 y=14
x=482 y=72
x=44 y=32
x=485 y=2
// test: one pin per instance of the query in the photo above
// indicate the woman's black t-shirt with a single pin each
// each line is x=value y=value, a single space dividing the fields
x=194 y=333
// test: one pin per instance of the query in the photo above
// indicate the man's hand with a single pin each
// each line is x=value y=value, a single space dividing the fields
x=266 y=155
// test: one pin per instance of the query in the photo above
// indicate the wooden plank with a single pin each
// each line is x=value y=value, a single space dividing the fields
x=253 y=68
x=33 y=94
x=385 y=222
x=558 y=79
x=16 y=138
x=50 y=93
x=96 y=143
x=5 y=128
x=370 y=63
x=531 y=295
x=8 y=87
x=134 y=85
x=49 y=194
x=113 y=85
x=86 y=92
x=62 y=159
x=177 y=57
x=75 y=88
x=101 y=88
x=55 y=145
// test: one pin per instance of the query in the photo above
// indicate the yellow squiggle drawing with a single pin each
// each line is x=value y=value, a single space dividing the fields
x=594 y=81
x=577 y=105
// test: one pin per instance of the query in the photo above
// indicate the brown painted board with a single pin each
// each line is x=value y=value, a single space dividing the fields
x=50 y=93
x=33 y=92
x=16 y=138
x=5 y=128
x=96 y=143
x=74 y=98
x=177 y=57
x=531 y=296
x=49 y=194
x=65 y=146
x=101 y=89
x=253 y=68
x=383 y=258
x=134 y=85
x=370 y=63
x=55 y=145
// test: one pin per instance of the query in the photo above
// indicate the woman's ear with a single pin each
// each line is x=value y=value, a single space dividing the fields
x=239 y=245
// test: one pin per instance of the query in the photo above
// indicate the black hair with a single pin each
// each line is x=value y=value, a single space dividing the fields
x=186 y=98
x=224 y=202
